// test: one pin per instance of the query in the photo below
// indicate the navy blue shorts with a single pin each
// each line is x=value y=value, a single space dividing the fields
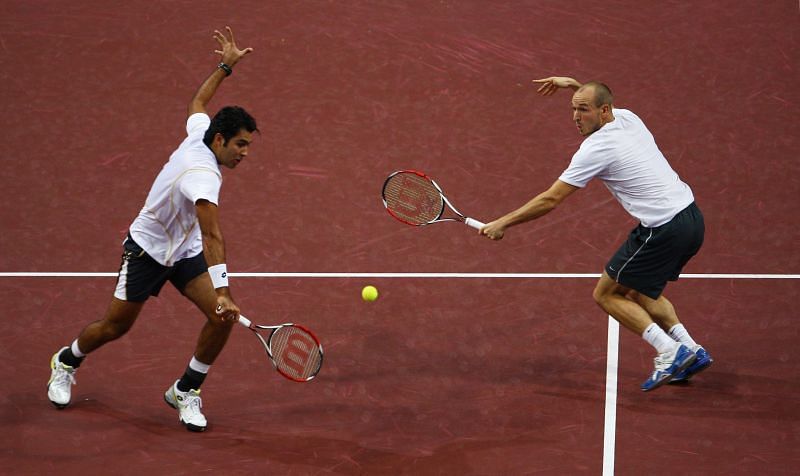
x=140 y=276
x=652 y=256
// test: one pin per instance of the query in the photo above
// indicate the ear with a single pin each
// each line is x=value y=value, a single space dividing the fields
x=219 y=140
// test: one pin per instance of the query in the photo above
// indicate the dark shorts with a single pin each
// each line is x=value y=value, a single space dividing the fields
x=140 y=276
x=652 y=256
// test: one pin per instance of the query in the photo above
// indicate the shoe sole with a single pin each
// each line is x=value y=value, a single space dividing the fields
x=689 y=361
x=189 y=426
x=60 y=406
x=695 y=372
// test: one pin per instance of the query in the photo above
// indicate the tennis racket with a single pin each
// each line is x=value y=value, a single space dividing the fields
x=415 y=199
x=294 y=350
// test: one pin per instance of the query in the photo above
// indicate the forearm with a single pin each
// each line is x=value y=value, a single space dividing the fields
x=206 y=91
x=573 y=84
x=214 y=253
x=213 y=248
x=539 y=206
x=230 y=54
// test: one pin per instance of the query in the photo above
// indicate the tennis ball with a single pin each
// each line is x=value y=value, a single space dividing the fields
x=369 y=293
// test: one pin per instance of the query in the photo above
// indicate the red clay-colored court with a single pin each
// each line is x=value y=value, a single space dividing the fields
x=479 y=358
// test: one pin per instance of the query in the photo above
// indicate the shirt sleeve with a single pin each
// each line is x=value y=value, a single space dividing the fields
x=197 y=123
x=201 y=184
x=586 y=164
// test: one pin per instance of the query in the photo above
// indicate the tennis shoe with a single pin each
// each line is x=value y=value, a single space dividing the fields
x=669 y=364
x=702 y=362
x=62 y=378
x=189 y=406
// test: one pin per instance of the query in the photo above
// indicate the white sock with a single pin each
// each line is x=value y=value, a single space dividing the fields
x=198 y=366
x=680 y=334
x=659 y=339
x=76 y=351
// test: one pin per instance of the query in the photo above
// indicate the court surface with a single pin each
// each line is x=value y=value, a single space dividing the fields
x=479 y=357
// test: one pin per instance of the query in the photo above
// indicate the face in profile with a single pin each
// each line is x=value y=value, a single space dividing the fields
x=235 y=150
x=588 y=117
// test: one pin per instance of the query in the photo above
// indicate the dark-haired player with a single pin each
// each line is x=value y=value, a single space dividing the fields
x=176 y=237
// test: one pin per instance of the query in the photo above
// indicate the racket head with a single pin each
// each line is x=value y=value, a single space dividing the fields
x=295 y=351
x=412 y=197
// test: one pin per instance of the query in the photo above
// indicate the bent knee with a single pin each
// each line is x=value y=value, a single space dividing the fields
x=218 y=323
x=603 y=292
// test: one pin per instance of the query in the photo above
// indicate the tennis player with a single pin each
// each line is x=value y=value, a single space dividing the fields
x=620 y=151
x=176 y=237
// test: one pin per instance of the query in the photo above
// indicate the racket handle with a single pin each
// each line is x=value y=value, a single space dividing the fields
x=244 y=321
x=474 y=223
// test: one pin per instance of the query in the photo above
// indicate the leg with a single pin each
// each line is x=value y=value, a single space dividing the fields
x=215 y=332
x=184 y=395
x=118 y=319
x=660 y=310
x=612 y=297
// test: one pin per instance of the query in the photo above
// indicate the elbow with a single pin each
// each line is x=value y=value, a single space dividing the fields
x=549 y=204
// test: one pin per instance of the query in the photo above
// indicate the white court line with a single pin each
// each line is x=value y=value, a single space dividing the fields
x=404 y=275
x=610 y=426
x=610 y=423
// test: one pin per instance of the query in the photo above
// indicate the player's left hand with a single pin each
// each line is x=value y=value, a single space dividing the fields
x=230 y=53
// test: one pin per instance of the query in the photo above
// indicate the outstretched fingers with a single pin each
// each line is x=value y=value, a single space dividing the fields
x=228 y=49
x=548 y=86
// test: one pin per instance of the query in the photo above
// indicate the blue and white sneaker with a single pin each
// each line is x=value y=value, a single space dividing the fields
x=667 y=365
x=702 y=362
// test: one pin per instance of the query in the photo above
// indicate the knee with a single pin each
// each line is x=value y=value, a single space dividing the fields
x=599 y=295
x=219 y=325
x=603 y=294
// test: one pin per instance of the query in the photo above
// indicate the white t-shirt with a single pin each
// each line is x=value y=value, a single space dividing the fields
x=167 y=227
x=624 y=155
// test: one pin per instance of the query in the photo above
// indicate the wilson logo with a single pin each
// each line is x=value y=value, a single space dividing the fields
x=296 y=353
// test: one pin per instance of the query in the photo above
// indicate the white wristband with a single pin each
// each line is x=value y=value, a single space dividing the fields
x=219 y=275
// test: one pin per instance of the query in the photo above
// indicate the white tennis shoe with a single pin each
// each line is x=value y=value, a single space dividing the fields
x=62 y=378
x=189 y=406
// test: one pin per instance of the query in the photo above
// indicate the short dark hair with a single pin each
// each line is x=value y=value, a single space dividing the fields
x=228 y=121
x=602 y=93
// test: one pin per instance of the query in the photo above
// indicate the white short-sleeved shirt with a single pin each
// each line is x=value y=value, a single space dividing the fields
x=625 y=157
x=166 y=227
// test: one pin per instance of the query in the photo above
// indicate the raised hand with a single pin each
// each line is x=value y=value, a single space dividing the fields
x=229 y=52
x=552 y=84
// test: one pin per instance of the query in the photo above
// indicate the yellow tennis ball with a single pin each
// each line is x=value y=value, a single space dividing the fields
x=369 y=293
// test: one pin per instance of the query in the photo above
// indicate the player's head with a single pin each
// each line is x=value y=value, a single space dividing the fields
x=592 y=106
x=230 y=134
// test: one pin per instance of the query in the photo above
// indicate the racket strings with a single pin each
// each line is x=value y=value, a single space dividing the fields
x=295 y=352
x=412 y=198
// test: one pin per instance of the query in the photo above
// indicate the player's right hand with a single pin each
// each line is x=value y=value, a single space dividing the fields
x=227 y=310
x=493 y=231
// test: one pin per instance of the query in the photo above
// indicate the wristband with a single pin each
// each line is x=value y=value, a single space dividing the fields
x=224 y=67
x=219 y=275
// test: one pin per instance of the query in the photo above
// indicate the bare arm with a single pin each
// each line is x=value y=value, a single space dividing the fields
x=554 y=83
x=214 y=253
x=230 y=54
x=540 y=205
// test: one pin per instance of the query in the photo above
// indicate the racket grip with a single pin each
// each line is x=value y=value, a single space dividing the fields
x=474 y=223
x=244 y=321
